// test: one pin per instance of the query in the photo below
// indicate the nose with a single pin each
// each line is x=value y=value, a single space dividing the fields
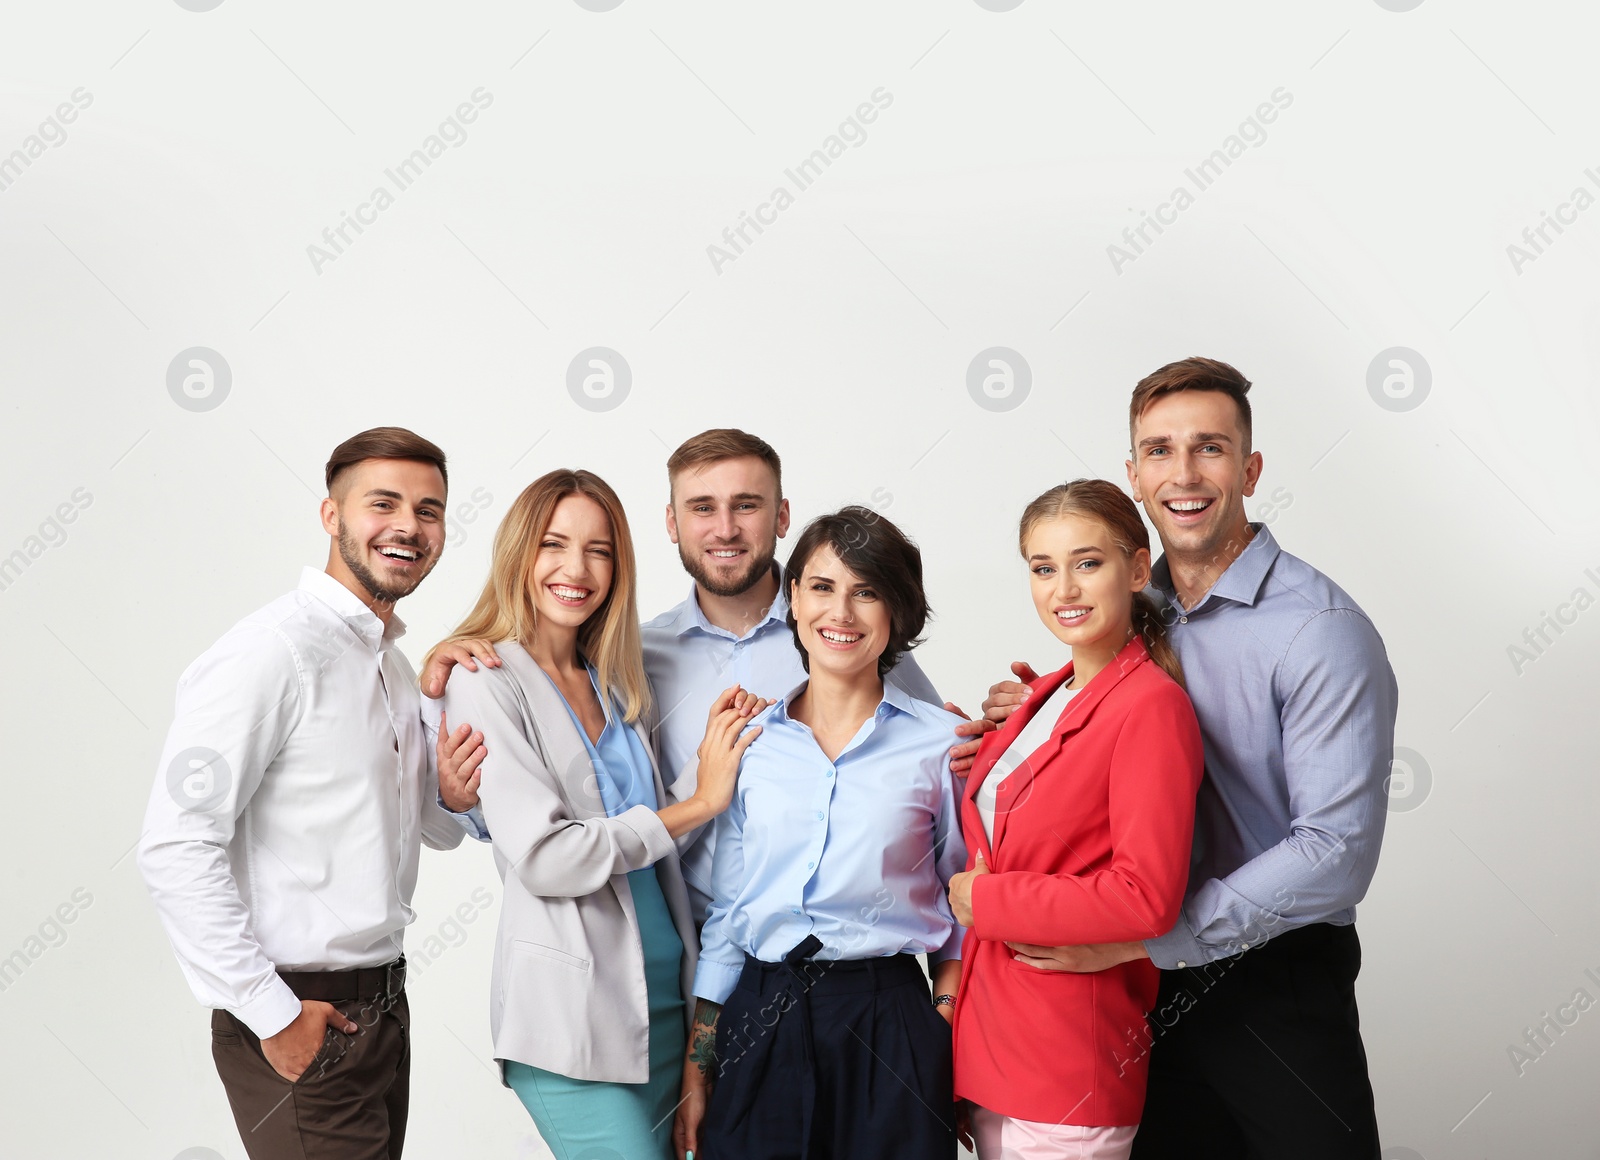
x=1186 y=471
x=724 y=525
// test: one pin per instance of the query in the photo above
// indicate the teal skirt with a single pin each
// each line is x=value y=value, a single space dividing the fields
x=588 y=1120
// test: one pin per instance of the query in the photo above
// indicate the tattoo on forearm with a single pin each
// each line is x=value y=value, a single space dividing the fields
x=703 y=1042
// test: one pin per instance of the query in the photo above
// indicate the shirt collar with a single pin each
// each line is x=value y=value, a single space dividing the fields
x=1240 y=581
x=350 y=609
x=691 y=617
x=894 y=697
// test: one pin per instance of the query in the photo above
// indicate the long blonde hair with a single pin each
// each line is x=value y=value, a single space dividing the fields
x=506 y=609
x=1105 y=503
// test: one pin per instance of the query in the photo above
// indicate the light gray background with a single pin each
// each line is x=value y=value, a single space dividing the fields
x=977 y=213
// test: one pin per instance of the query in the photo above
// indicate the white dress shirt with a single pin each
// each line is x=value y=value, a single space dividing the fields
x=293 y=794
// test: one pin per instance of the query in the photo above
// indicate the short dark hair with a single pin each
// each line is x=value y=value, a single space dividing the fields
x=1192 y=374
x=884 y=557
x=383 y=443
x=717 y=445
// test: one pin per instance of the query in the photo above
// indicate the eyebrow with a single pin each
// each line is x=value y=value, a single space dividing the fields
x=830 y=580
x=606 y=540
x=1074 y=552
x=385 y=493
x=1197 y=437
x=743 y=495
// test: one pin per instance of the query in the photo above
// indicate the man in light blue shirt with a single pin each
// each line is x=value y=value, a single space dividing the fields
x=1254 y=1045
x=726 y=514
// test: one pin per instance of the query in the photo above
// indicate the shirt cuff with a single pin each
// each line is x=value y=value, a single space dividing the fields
x=715 y=981
x=1178 y=948
x=269 y=1012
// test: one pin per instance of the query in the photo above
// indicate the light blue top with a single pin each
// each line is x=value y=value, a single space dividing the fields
x=689 y=661
x=621 y=765
x=1297 y=703
x=858 y=851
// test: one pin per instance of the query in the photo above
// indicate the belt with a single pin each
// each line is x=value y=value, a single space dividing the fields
x=363 y=983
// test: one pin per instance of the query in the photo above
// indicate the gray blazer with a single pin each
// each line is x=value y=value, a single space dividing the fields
x=568 y=989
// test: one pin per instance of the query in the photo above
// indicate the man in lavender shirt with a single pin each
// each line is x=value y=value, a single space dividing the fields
x=1255 y=1044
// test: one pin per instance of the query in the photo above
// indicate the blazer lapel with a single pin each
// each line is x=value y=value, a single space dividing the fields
x=995 y=744
x=559 y=739
x=1077 y=714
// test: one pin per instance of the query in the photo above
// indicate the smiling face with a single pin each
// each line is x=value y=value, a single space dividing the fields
x=840 y=619
x=573 y=564
x=726 y=519
x=1083 y=584
x=387 y=519
x=1192 y=471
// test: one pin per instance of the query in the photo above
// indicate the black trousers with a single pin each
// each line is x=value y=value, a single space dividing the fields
x=1259 y=1056
x=831 y=1060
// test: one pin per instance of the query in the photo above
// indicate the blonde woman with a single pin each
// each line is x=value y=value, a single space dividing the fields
x=596 y=948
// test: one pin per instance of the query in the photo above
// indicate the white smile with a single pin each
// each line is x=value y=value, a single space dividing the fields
x=838 y=637
x=1187 y=505
x=727 y=553
x=1070 y=615
x=406 y=555
x=576 y=595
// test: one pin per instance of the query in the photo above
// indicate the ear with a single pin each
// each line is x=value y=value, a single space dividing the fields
x=329 y=512
x=1133 y=481
x=672 y=524
x=1252 y=472
x=1141 y=570
x=783 y=518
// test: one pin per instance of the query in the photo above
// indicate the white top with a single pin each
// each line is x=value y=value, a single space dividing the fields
x=293 y=794
x=1032 y=735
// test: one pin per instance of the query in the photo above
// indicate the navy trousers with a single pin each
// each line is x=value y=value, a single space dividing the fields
x=831 y=1060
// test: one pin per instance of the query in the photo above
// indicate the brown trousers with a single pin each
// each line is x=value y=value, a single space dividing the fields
x=350 y=1104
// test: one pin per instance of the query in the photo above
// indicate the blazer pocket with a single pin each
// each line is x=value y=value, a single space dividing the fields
x=554 y=953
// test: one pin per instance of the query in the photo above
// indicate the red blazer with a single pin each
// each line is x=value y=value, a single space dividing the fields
x=1091 y=845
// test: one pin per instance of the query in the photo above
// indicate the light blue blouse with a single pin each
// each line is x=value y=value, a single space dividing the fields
x=621 y=762
x=858 y=851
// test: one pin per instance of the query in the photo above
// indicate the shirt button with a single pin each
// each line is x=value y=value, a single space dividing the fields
x=1181 y=963
x=819 y=815
x=794 y=910
x=830 y=773
x=1183 y=620
x=811 y=865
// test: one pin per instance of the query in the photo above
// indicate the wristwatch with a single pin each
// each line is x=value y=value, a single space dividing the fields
x=944 y=1000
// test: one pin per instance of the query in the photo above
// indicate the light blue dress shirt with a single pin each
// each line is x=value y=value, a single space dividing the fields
x=1296 y=702
x=689 y=661
x=621 y=764
x=858 y=851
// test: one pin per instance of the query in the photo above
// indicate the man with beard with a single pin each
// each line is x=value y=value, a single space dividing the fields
x=283 y=832
x=726 y=512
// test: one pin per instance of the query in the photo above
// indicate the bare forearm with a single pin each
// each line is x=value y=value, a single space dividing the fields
x=689 y=814
x=946 y=977
x=703 y=1039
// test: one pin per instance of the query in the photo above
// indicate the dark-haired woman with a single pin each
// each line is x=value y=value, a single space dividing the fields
x=1079 y=812
x=815 y=1031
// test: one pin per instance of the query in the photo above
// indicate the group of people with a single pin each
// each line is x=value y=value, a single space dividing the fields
x=727 y=836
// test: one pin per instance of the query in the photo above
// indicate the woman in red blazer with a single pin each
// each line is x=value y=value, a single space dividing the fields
x=1079 y=814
